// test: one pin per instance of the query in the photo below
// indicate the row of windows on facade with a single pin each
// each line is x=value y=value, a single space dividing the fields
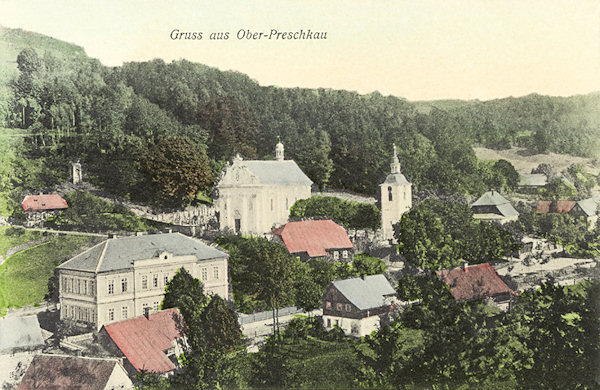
x=78 y=286
x=338 y=306
x=155 y=280
x=82 y=314
x=251 y=204
x=110 y=314
x=336 y=254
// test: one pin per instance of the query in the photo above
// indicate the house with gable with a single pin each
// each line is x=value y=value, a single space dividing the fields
x=478 y=281
x=531 y=182
x=316 y=239
x=356 y=305
x=60 y=372
x=42 y=206
x=44 y=202
x=150 y=342
x=122 y=278
x=586 y=208
x=255 y=196
x=492 y=206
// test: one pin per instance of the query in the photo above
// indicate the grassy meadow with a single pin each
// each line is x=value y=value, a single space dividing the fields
x=24 y=276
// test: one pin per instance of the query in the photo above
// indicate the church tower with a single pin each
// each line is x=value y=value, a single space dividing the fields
x=395 y=197
x=279 y=150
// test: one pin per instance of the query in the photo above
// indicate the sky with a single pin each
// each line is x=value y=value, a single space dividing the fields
x=419 y=50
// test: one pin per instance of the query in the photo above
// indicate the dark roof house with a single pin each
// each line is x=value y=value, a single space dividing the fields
x=149 y=343
x=369 y=292
x=58 y=372
x=356 y=305
x=44 y=202
x=477 y=281
x=310 y=239
x=120 y=253
x=493 y=206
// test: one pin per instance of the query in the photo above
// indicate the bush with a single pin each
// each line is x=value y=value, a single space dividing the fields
x=89 y=213
x=350 y=214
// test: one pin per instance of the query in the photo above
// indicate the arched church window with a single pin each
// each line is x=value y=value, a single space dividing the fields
x=390 y=194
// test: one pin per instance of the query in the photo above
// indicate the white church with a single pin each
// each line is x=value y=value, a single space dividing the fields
x=253 y=197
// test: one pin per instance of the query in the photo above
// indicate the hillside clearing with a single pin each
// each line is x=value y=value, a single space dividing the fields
x=24 y=276
x=525 y=160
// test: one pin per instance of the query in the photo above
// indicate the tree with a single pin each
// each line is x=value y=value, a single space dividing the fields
x=220 y=328
x=363 y=264
x=508 y=173
x=177 y=168
x=184 y=292
x=311 y=151
x=437 y=235
x=232 y=126
x=558 y=189
x=307 y=294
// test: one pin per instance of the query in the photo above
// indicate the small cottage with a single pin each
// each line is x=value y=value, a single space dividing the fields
x=356 y=305
x=492 y=206
x=316 y=239
x=151 y=342
x=67 y=372
x=478 y=281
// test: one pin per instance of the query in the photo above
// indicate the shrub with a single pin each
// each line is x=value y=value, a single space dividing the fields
x=350 y=214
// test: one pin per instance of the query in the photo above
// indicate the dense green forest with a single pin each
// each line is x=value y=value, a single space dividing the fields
x=113 y=118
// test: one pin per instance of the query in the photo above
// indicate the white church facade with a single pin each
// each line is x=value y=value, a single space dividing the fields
x=255 y=196
x=395 y=197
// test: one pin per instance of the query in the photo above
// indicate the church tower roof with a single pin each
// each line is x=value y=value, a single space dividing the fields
x=395 y=165
x=395 y=176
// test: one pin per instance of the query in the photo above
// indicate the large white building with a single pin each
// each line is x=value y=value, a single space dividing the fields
x=395 y=197
x=122 y=278
x=255 y=196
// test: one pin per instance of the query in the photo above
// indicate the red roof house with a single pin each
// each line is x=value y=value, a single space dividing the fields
x=44 y=202
x=555 y=206
x=69 y=372
x=148 y=341
x=476 y=281
x=311 y=239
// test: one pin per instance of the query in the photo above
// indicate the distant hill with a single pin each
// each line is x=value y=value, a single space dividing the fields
x=12 y=41
x=78 y=108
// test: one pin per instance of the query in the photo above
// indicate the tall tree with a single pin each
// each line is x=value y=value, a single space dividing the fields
x=177 y=168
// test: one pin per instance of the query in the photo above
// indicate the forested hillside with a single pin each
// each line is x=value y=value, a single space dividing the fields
x=114 y=118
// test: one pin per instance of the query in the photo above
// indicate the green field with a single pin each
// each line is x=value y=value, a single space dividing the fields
x=24 y=276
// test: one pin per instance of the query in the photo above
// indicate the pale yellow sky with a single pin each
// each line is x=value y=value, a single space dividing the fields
x=420 y=50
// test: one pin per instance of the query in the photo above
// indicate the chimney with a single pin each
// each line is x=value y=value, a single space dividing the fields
x=147 y=313
x=464 y=266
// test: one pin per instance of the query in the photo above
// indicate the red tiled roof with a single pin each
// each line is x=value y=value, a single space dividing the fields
x=313 y=237
x=44 y=202
x=67 y=372
x=555 y=206
x=144 y=341
x=477 y=281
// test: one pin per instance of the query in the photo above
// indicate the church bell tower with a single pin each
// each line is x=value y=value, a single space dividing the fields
x=395 y=197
